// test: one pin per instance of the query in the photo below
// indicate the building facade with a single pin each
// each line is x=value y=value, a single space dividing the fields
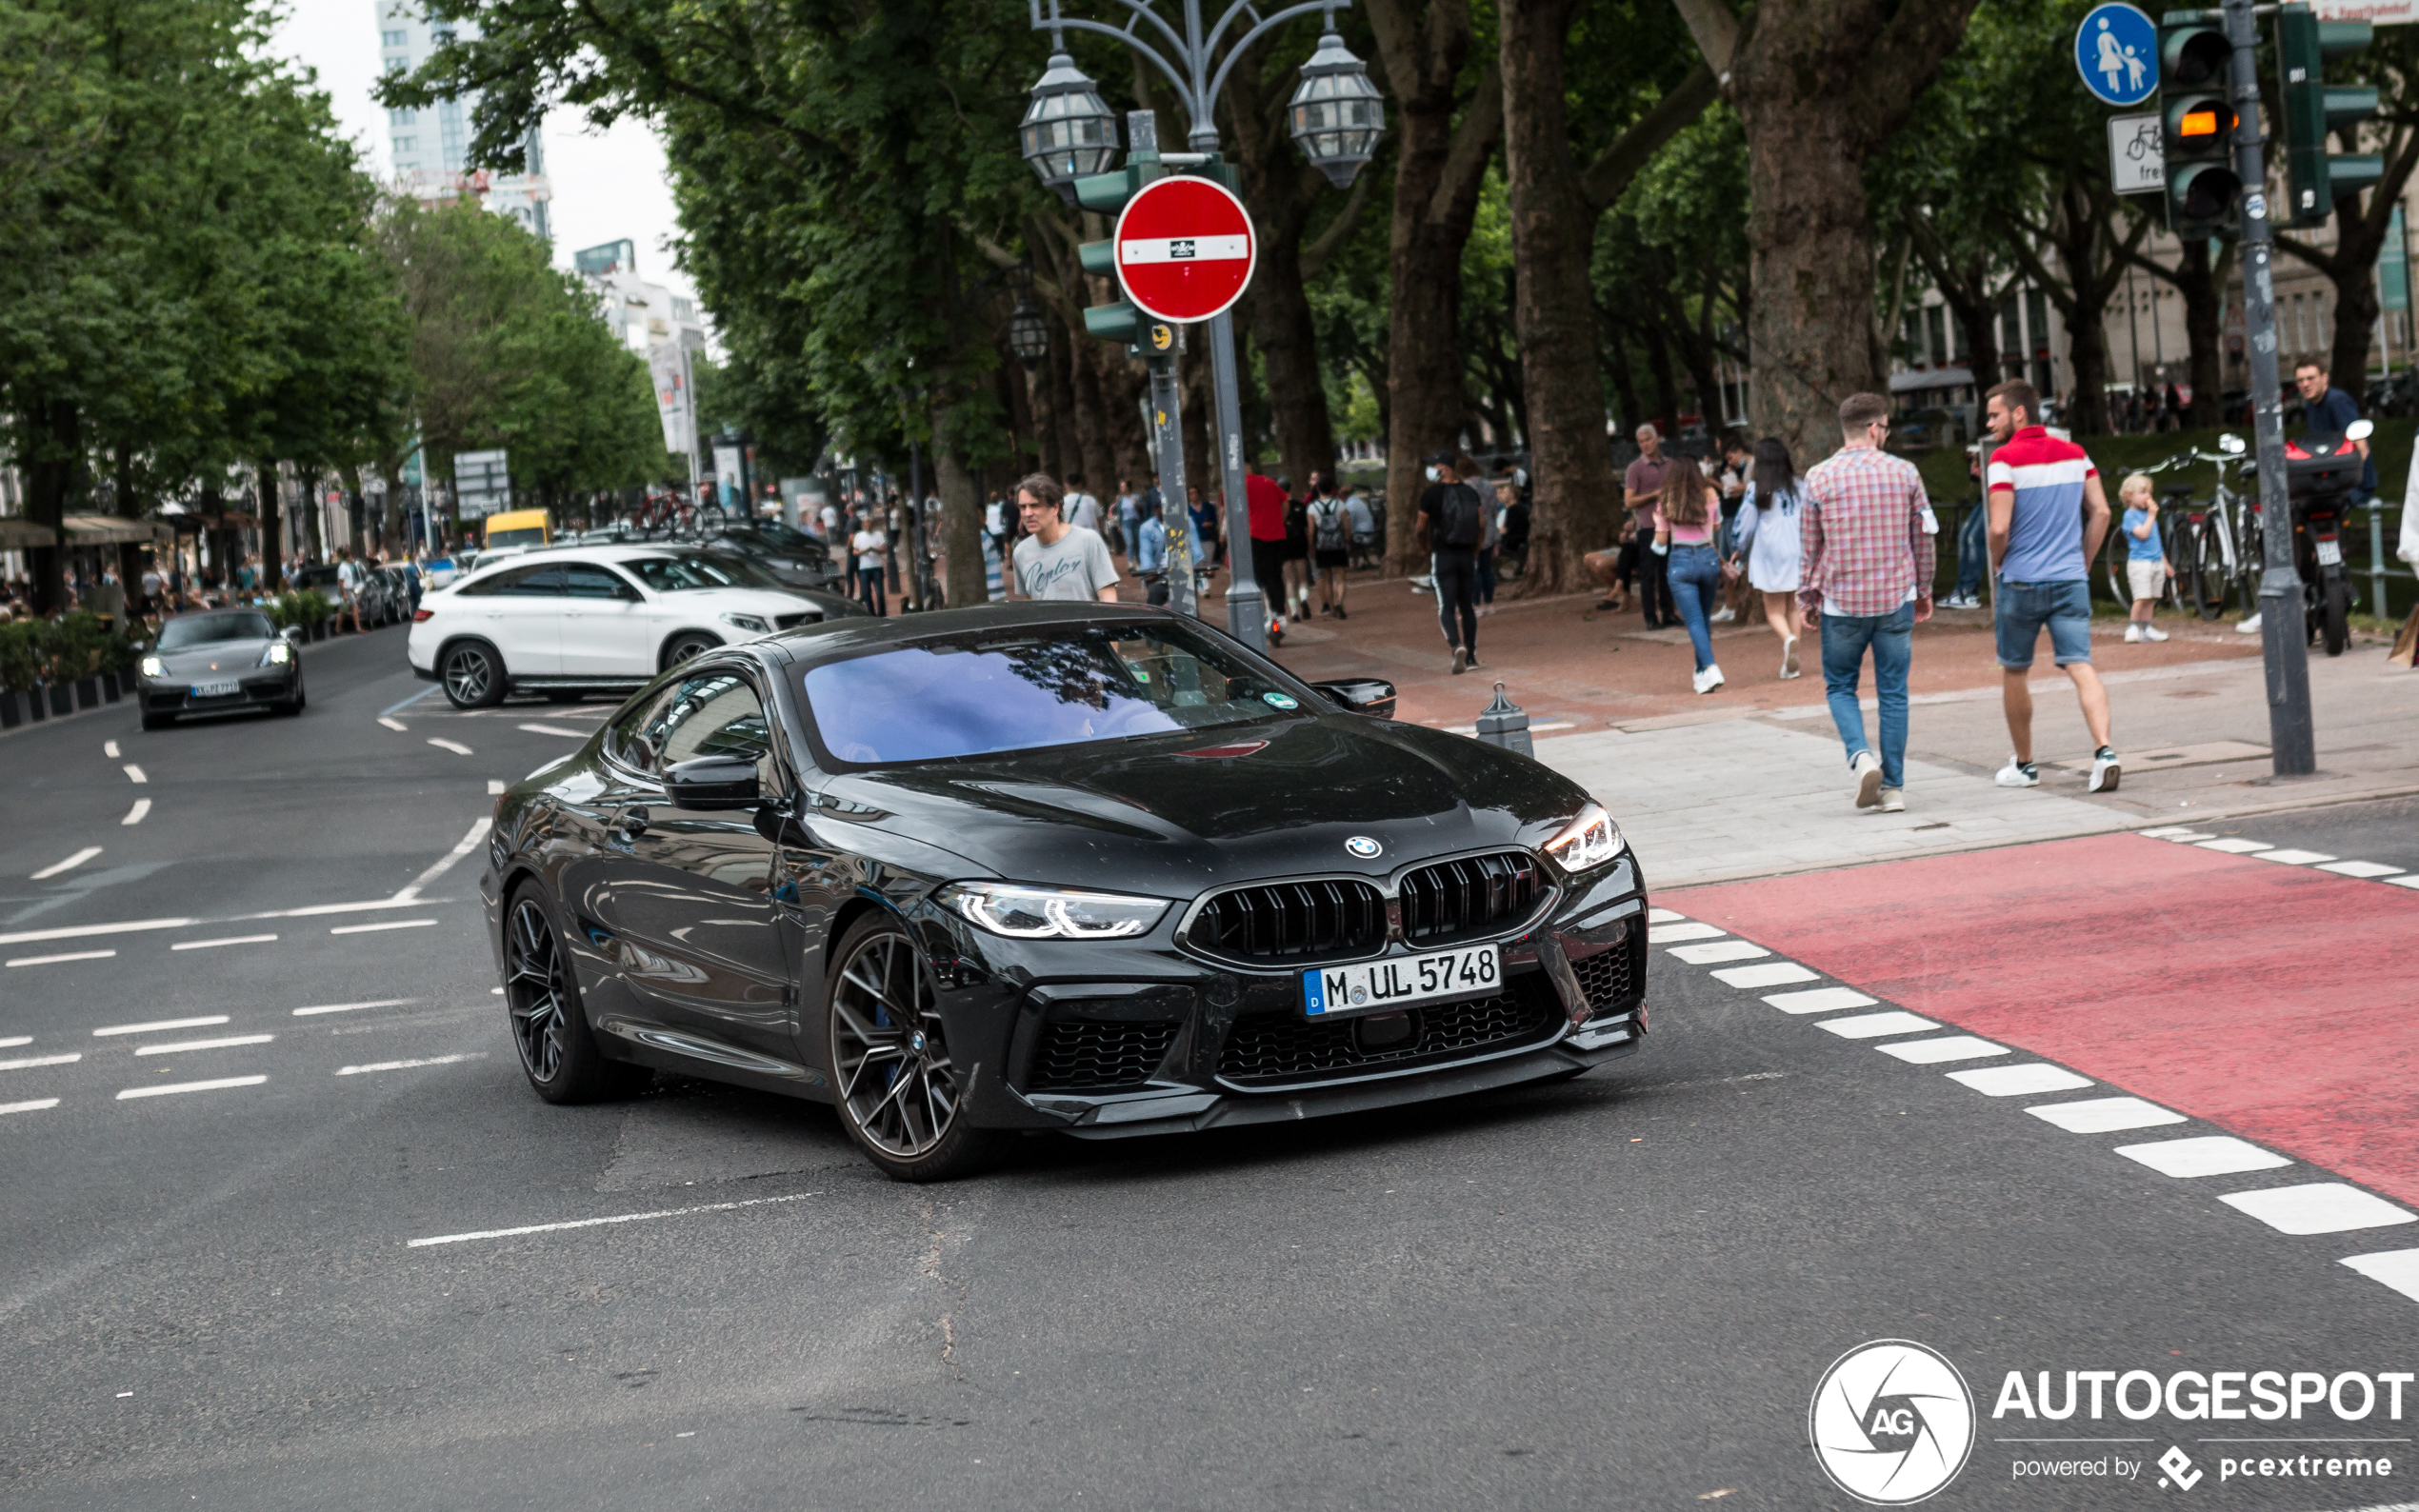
x=431 y=147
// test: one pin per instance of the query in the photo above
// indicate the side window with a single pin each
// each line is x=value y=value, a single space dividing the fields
x=628 y=740
x=717 y=714
x=583 y=581
x=538 y=578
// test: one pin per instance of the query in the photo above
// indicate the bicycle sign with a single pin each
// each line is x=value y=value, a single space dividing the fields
x=2117 y=51
x=2137 y=159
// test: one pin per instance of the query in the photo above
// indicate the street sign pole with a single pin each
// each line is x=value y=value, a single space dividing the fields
x=2292 y=741
x=1168 y=448
x=1246 y=619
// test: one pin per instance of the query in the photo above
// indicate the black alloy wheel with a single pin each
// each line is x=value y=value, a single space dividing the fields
x=550 y=1028
x=472 y=676
x=687 y=648
x=898 y=1090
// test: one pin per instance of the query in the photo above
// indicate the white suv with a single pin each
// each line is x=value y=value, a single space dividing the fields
x=566 y=619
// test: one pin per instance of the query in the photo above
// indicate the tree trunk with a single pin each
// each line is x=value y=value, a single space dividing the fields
x=57 y=429
x=1667 y=388
x=1616 y=356
x=1066 y=438
x=2205 y=328
x=272 y=527
x=961 y=527
x=1095 y=459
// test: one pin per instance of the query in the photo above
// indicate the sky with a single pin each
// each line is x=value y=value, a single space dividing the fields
x=608 y=185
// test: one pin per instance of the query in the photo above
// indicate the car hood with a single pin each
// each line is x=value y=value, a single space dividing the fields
x=1173 y=815
x=227 y=657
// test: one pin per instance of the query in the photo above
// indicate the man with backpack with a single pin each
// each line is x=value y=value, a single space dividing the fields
x=1331 y=547
x=1452 y=525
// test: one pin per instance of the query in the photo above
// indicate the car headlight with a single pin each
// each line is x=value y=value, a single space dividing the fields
x=1587 y=842
x=754 y=625
x=278 y=654
x=1051 y=913
x=154 y=667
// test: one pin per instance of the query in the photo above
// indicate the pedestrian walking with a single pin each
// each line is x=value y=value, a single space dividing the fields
x=1452 y=526
x=2048 y=517
x=349 y=580
x=1297 y=552
x=872 y=549
x=2146 y=566
x=1766 y=544
x=1491 y=512
x=1365 y=541
x=1056 y=559
x=1330 y=548
x=1865 y=542
x=1128 y=519
x=1733 y=482
x=1642 y=486
x=1206 y=523
x=1081 y=510
x=1687 y=519
x=1264 y=504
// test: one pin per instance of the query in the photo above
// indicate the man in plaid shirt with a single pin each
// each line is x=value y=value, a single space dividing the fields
x=1866 y=538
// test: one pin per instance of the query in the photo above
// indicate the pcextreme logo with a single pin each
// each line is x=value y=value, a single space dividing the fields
x=1892 y=1423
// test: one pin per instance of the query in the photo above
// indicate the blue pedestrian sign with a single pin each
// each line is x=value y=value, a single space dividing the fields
x=2117 y=50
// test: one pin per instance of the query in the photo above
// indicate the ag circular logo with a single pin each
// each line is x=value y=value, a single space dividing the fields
x=1363 y=846
x=1892 y=1423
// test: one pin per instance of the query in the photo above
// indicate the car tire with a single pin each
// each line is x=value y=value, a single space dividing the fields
x=471 y=675
x=291 y=707
x=158 y=720
x=542 y=1007
x=685 y=646
x=897 y=1091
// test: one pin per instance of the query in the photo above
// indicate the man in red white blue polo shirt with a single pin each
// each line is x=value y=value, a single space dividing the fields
x=2048 y=516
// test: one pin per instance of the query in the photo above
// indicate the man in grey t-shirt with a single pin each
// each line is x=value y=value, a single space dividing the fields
x=1057 y=560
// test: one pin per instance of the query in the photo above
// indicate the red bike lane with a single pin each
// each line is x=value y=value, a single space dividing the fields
x=2274 y=1000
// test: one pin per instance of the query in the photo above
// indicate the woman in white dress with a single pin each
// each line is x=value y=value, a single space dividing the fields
x=1766 y=536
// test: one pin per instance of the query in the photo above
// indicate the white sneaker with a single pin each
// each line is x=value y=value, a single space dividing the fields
x=2019 y=774
x=1788 y=658
x=1867 y=768
x=2133 y=632
x=1722 y=616
x=1894 y=800
x=2151 y=633
x=1707 y=679
x=2249 y=626
x=2105 y=771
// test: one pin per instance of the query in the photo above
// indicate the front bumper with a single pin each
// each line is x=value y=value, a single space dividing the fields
x=1105 y=1041
x=260 y=688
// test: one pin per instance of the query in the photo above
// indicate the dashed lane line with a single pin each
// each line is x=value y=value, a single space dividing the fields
x=2359 y=868
x=52 y=961
x=1874 y=1026
x=70 y=865
x=1948 y=1047
x=406 y=1065
x=79 y=931
x=179 y=1046
x=134 y=815
x=409 y=898
x=30 y=1062
x=394 y=723
x=454 y=745
x=382 y=925
x=469 y=842
x=134 y=773
x=2291 y=858
x=160 y=1025
x=2020 y=1081
x=1717 y=950
x=594 y=1222
x=16 y=1040
x=2234 y=847
x=2398 y=1268
x=554 y=729
x=1665 y=916
x=495 y=787
x=215 y=1085
x=1767 y=974
x=109 y=748
x=2104 y=1115
x=1682 y=933
x=2317 y=860
x=1819 y=1000
x=38 y=1103
x=231 y=940
x=353 y=1007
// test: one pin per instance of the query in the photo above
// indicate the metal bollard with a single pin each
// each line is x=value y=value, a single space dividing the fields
x=1504 y=723
x=2376 y=560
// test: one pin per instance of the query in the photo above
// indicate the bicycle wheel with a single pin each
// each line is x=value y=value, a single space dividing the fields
x=2203 y=563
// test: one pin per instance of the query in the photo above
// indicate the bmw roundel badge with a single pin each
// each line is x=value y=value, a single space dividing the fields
x=1363 y=846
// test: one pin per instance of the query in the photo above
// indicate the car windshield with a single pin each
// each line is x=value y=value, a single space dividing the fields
x=977 y=694
x=205 y=629
x=317 y=577
x=773 y=533
x=679 y=574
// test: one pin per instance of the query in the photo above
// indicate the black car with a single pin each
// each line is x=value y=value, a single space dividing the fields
x=1084 y=868
x=213 y=660
x=797 y=558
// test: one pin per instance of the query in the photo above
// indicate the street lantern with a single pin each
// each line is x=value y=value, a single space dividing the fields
x=1337 y=112
x=1068 y=132
x=1027 y=334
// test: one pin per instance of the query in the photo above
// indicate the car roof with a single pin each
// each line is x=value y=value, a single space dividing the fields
x=839 y=637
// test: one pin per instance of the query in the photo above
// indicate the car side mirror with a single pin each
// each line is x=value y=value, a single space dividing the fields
x=1361 y=695
x=707 y=783
x=2360 y=430
x=2230 y=443
x=778 y=825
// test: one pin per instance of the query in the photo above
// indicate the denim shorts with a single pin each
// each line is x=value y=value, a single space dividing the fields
x=2025 y=608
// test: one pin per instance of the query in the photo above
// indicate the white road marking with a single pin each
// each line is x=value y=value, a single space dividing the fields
x=134 y=815
x=462 y=847
x=2294 y=858
x=2165 y=831
x=391 y=923
x=204 y=1045
x=2104 y=1115
x=1948 y=1047
x=16 y=1040
x=592 y=1223
x=109 y=748
x=495 y=787
x=175 y=1087
x=2410 y=881
x=41 y=1103
x=2359 y=868
x=316 y=909
x=134 y=773
x=233 y=939
x=2189 y=837
x=554 y=729
x=28 y=936
x=394 y=723
x=405 y=1066
x=157 y=1024
x=1819 y=1000
x=1770 y=974
x=2020 y=1081
x=1873 y=1026
x=73 y=955
x=2209 y=1155
x=2398 y=1268
x=1665 y=916
x=31 y=1060
x=1706 y=955
x=2236 y=847
x=454 y=745
x=2320 y=1208
x=350 y=1007
x=1678 y=933
x=495 y=992
x=68 y=864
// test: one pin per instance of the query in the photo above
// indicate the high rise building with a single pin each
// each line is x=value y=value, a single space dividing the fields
x=429 y=146
x=656 y=324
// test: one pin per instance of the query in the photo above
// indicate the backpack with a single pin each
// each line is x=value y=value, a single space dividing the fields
x=1329 y=525
x=1458 y=522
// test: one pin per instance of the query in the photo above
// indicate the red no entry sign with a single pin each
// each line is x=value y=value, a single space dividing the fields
x=1185 y=249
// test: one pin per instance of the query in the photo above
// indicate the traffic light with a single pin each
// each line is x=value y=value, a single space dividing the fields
x=2196 y=127
x=2315 y=177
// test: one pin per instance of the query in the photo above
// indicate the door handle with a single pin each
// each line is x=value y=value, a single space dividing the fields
x=632 y=825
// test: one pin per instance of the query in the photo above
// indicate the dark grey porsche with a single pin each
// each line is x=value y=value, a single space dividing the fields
x=217 y=660
x=1089 y=868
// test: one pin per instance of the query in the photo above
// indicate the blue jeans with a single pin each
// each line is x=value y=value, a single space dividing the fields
x=1973 y=550
x=2025 y=609
x=1696 y=582
x=1892 y=638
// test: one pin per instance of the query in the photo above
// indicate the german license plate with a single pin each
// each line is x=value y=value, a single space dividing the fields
x=2330 y=553
x=1374 y=986
x=226 y=690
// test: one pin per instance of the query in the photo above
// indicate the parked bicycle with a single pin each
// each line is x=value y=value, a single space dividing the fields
x=2215 y=540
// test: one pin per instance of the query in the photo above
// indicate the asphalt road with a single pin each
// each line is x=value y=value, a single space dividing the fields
x=1614 y=1292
